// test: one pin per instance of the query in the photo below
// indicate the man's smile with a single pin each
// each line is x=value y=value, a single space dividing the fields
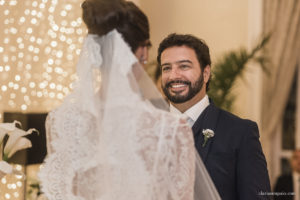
x=177 y=86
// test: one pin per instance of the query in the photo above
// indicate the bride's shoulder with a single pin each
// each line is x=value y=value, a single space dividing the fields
x=64 y=118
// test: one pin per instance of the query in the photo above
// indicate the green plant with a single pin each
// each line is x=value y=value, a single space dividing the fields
x=231 y=66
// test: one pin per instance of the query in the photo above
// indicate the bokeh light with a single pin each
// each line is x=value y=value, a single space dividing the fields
x=39 y=46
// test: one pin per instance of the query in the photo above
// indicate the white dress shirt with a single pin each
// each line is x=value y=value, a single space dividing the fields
x=193 y=112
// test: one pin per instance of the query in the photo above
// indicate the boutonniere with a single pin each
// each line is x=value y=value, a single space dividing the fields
x=208 y=133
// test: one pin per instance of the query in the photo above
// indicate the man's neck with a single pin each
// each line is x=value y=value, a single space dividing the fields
x=182 y=107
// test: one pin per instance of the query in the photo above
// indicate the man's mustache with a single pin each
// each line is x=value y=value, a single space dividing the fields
x=168 y=84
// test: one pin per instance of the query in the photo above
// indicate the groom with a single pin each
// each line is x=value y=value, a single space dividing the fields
x=228 y=145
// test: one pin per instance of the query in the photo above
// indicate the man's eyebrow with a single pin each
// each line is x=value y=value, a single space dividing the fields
x=177 y=62
x=164 y=64
x=183 y=61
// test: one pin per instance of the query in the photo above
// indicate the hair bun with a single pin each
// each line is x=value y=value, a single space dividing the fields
x=102 y=16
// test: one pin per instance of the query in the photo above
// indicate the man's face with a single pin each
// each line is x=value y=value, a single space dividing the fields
x=182 y=78
x=296 y=161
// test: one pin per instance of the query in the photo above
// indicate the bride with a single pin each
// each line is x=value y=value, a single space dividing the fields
x=113 y=138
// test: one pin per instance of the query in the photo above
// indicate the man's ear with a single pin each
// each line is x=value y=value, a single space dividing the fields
x=206 y=73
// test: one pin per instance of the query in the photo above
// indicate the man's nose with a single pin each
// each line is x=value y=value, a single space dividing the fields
x=174 y=74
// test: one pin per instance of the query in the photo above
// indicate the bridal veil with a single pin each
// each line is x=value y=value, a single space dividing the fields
x=112 y=138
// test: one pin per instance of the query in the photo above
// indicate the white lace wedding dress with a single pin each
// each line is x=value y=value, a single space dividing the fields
x=111 y=139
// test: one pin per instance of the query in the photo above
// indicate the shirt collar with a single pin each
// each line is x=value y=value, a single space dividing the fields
x=195 y=111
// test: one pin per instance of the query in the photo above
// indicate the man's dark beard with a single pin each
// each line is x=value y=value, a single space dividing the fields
x=193 y=90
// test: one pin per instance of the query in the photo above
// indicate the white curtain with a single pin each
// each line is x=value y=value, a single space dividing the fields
x=282 y=20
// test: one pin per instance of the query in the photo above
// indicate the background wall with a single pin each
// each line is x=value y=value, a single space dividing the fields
x=222 y=24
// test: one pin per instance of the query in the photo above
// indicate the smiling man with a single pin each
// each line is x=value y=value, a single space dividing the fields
x=232 y=151
x=182 y=77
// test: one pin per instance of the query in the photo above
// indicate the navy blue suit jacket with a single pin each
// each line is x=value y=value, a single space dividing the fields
x=233 y=157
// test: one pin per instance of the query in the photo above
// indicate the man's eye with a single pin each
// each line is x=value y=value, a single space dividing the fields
x=184 y=66
x=164 y=69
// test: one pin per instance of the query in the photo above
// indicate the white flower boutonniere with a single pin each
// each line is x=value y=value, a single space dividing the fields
x=208 y=133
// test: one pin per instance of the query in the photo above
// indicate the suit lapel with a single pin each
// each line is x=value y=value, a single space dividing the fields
x=207 y=120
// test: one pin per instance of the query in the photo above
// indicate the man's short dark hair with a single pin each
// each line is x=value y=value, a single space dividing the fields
x=198 y=45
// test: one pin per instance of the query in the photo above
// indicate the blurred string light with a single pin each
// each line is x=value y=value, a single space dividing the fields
x=39 y=46
x=12 y=186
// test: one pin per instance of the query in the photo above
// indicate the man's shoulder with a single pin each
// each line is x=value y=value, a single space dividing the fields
x=229 y=117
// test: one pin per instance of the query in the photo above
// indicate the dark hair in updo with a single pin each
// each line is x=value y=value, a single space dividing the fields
x=102 y=16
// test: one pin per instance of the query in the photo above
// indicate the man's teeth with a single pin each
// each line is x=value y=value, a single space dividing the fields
x=177 y=86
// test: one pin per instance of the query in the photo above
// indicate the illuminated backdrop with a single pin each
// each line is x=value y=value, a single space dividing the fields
x=40 y=41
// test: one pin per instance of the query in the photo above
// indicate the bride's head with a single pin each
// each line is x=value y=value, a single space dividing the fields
x=102 y=16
